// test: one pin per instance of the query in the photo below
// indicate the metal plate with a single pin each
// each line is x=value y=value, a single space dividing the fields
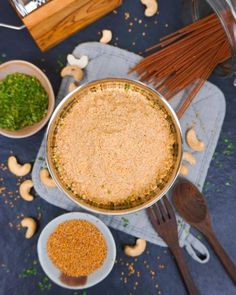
x=101 y=84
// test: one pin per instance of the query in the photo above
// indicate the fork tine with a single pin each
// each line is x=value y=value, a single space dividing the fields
x=163 y=211
x=153 y=216
x=157 y=213
x=169 y=207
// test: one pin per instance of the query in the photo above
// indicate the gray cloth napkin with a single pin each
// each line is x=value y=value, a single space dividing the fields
x=206 y=114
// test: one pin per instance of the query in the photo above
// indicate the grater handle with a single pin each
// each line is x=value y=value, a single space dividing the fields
x=18 y=28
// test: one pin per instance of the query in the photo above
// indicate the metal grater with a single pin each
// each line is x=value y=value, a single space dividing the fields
x=40 y=2
x=61 y=18
x=24 y=7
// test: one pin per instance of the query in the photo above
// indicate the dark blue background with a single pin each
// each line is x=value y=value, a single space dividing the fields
x=20 y=272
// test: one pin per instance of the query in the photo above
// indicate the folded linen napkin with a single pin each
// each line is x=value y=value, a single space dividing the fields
x=206 y=114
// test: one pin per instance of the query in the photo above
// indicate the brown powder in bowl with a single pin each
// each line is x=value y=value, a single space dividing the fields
x=114 y=146
x=77 y=247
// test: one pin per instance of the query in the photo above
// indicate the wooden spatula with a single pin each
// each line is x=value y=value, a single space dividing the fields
x=192 y=206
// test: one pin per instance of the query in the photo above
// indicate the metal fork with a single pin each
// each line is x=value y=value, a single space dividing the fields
x=163 y=219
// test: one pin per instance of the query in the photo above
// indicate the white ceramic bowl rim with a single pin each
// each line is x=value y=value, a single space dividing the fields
x=51 y=270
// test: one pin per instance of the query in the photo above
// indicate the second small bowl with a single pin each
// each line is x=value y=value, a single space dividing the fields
x=54 y=273
x=28 y=68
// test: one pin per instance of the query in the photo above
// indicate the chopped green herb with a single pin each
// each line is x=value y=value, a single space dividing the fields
x=28 y=272
x=218 y=164
x=206 y=186
x=61 y=62
x=227 y=144
x=44 y=284
x=41 y=159
x=180 y=221
x=23 y=101
x=186 y=231
x=127 y=87
x=229 y=149
x=125 y=221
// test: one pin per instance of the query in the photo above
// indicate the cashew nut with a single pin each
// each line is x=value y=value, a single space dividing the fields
x=46 y=178
x=80 y=62
x=189 y=158
x=137 y=249
x=31 y=226
x=183 y=170
x=25 y=188
x=72 y=86
x=151 y=7
x=193 y=141
x=74 y=71
x=16 y=168
x=106 y=36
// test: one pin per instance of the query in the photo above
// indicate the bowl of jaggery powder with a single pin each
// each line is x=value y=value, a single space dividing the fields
x=76 y=250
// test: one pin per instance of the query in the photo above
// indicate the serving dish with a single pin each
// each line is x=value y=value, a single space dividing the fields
x=54 y=273
x=27 y=68
x=103 y=84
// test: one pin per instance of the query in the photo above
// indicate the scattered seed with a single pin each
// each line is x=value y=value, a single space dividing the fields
x=127 y=15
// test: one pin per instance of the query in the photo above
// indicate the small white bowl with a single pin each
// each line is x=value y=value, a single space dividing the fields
x=21 y=66
x=54 y=273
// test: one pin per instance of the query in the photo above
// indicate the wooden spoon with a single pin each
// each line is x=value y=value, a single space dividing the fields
x=192 y=206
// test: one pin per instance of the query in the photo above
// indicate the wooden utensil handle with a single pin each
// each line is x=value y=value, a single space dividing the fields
x=219 y=250
x=188 y=280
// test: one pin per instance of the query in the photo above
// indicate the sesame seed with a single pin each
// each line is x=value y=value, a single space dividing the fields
x=127 y=15
x=77 y=247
